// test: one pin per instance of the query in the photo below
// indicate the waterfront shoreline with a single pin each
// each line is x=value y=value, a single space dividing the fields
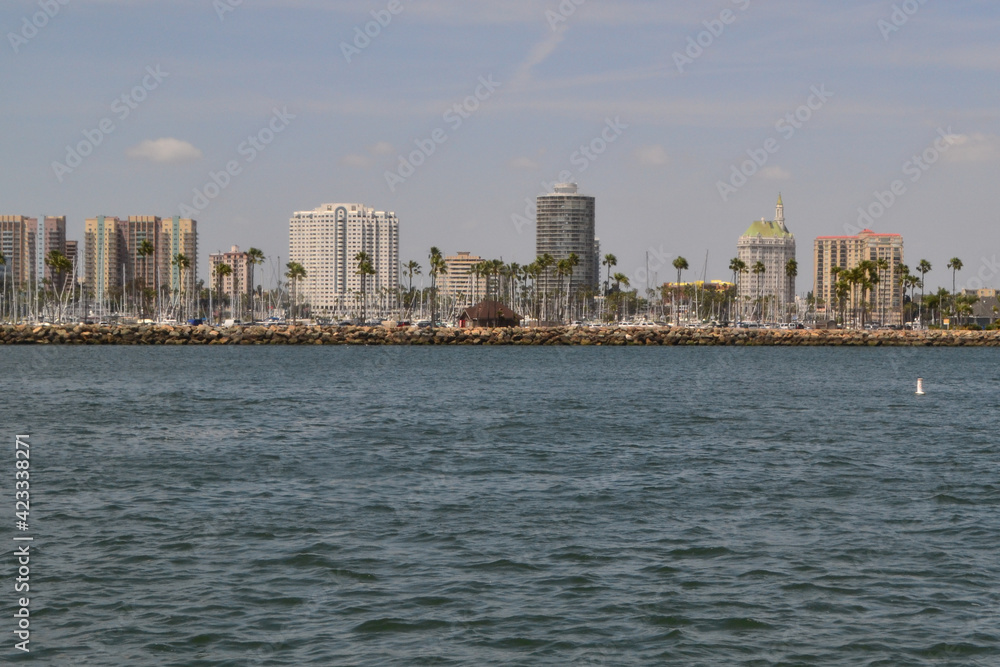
x=32 y=334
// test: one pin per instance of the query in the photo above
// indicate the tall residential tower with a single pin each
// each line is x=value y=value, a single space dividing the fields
x=846 y=253
x=326 y=240
x=113 y=257
x=565 y=225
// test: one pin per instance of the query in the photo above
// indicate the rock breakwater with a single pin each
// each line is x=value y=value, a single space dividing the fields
x=603 y=336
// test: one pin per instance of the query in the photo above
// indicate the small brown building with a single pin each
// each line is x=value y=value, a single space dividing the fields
x=488 y=314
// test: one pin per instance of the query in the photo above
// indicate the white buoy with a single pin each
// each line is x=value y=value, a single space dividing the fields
x=920 y=387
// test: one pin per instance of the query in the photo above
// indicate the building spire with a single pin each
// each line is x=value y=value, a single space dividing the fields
x=779 y=213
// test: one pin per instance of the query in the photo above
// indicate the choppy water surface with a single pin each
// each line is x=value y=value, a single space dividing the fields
x=539 y=506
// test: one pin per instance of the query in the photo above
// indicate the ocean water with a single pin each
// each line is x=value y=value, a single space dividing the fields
x=508 y=506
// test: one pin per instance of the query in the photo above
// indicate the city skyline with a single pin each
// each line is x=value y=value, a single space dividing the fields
x=646 y=107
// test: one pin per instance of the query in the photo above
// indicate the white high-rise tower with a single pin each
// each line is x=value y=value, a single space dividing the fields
x=326 y=241
x=767 y=295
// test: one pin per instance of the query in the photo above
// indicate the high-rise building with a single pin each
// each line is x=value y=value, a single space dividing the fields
x=239 y=262
x=326 y=241
x=26 y=242
x=103 y=269
x=179 y=236
x=73 y=255
x=48 y=235
x=565 y=224
x=767 y=295
x=141 y=269
x=113 y=257
x=459 y=282
x=846 y=253
x=14 y=233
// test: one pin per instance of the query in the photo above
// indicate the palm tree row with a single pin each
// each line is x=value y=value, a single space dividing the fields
x=942 y=302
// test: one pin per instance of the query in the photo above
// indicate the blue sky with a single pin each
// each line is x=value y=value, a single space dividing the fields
x=562 y=70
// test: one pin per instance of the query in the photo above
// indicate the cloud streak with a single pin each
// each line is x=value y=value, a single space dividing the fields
x=164 y=151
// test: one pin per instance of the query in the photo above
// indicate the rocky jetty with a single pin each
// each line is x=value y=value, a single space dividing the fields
x=603 y=336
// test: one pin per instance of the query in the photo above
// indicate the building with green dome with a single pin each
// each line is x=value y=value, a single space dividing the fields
x=767 y=296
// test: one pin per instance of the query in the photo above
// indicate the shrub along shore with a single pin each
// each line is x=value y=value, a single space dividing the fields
x=31 y=334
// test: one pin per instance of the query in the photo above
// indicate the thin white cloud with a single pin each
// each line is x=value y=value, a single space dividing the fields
x=973 y=148
x=358 y=160
x=524 y=163
x=164 y=150
x=775 y=174
x=652 y=156
x=539 y=54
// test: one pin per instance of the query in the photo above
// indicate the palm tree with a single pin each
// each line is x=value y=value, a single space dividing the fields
x=857 y=277
x=609 y=261
x=437 y=267
x=534 y=271
x=955 y=265
x=912 y=282
x=411 y=268
x=923 y=268
x=681 y=265
x=835 y=272
x=869 y=279
x=144 y=250
x=365 y=269
x=737 y=266
x=940 y=299
x=565 y=268
x=221 y=271
x=881 y=265
x=255 y=257
x=842 y=288
x=620 y=279
x=759 y=270
x=61 y=266
x=296 y=272
x=545 y=262
x=495 y=268
x=791 y=271
x=183 y=263
x=513 y=275
x=3 y=263
x=902 y=281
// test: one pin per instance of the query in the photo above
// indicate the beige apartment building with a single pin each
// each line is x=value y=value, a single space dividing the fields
x=142 y=269
x=460 y=283
x=112 y=258
x=239 y=262
x=102 y=264
x=14 y=231
x=26 y=242
x=847 y=252
x=180 y=237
